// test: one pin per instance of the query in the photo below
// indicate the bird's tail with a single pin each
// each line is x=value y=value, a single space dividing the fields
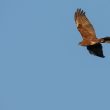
x=106 y=40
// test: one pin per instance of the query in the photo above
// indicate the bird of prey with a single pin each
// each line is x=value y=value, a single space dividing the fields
x=88 y=34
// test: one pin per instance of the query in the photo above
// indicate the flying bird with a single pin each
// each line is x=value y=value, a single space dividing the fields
x=88 y=34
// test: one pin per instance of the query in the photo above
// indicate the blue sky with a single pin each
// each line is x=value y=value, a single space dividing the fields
x=42 y=67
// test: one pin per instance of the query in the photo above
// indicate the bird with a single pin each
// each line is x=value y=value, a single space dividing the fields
x=87 y=31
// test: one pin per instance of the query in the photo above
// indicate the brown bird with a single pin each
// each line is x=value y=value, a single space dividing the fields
x=88 y=34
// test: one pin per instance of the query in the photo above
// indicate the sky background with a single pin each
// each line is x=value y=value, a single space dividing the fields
x=42 y=67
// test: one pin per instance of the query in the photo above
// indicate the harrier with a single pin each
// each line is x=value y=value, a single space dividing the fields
x=88 y=34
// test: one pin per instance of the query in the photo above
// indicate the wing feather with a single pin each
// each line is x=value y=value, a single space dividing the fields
x=84 y=25
x=96 y=50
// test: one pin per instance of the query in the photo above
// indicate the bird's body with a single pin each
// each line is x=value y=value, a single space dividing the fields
x=87 y=42
x=88 y=34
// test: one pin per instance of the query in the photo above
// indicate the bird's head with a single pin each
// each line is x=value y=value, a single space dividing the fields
x=101 y=40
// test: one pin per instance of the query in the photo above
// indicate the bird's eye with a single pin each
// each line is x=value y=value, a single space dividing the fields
x=102 y=40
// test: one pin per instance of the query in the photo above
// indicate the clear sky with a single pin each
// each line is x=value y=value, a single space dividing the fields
x=42 y=67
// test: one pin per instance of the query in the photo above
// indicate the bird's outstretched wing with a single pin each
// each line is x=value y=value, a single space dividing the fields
x=96 y=50
x=83 y=25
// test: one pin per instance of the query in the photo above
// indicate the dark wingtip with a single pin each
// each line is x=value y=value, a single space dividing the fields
x=96 y=50
x=101 y=56
x=79 y=11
